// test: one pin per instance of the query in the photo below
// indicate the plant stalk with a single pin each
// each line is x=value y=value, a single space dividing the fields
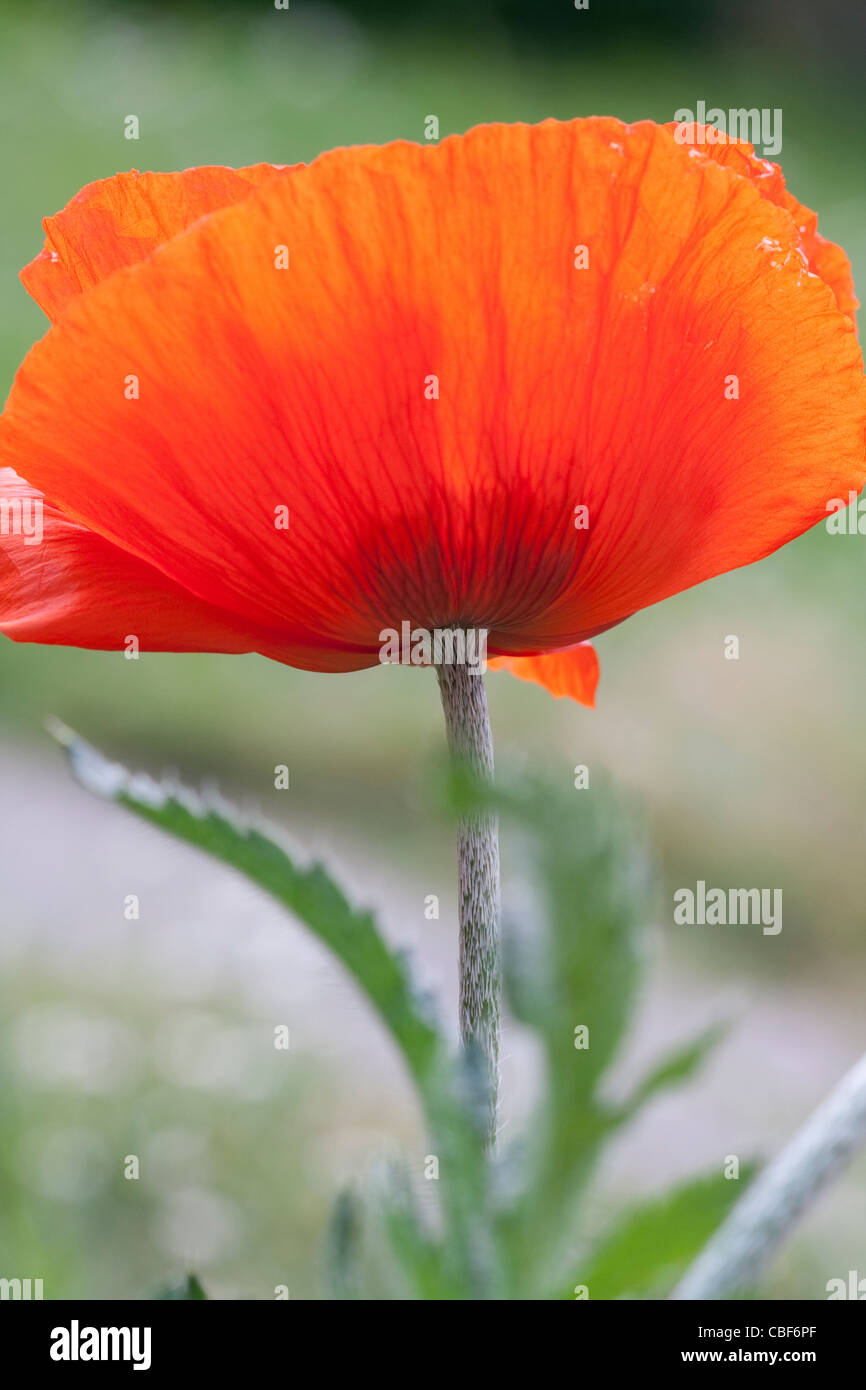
x=781 y=1193
x=470 y=742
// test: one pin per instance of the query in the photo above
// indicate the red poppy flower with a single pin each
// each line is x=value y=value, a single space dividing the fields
x=529 y=380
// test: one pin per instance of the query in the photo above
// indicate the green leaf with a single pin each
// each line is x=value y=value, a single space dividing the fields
x=423 y=1259
x=591 y=875
x=591 y=870
x=188 y=1291
x=572 y=979
x=648 y=1248
x=306 y=889
x=680 y=1065
x=309 y=891
x=343 y=1255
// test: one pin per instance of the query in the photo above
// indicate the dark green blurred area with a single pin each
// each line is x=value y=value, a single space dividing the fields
x=796 y=26
x=751 y=771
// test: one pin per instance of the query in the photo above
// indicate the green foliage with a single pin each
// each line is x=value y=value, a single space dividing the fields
x=444 y=1082
x=345 y=1235
x=189 y=1291
x=593 y=886
x=679 y=1066
x=651 y=1245
x=510 y=1225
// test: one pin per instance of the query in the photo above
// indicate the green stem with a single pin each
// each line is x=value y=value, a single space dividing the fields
x=467 y=724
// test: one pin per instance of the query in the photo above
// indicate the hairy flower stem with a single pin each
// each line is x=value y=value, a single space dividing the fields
x=470 y=741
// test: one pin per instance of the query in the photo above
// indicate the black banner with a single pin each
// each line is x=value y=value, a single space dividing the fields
x=81 y=1339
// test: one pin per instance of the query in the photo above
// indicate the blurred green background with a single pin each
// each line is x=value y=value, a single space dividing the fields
x=154 y=1036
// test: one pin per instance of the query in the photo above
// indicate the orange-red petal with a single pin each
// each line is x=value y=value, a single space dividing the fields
x=118 y=221
x=433 y=387
x=824 y=257
x=572 y=673
x=60 y=583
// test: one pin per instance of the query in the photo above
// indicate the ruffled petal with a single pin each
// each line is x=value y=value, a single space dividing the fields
x=61 y=584
x=823 y=257
x=460 y=418
x=119 y=221
x=573 y=673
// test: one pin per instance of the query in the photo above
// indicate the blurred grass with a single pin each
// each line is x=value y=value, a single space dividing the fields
x=73 y=1112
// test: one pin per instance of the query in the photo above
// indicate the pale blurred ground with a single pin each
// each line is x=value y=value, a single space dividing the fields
x=155 y=1037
